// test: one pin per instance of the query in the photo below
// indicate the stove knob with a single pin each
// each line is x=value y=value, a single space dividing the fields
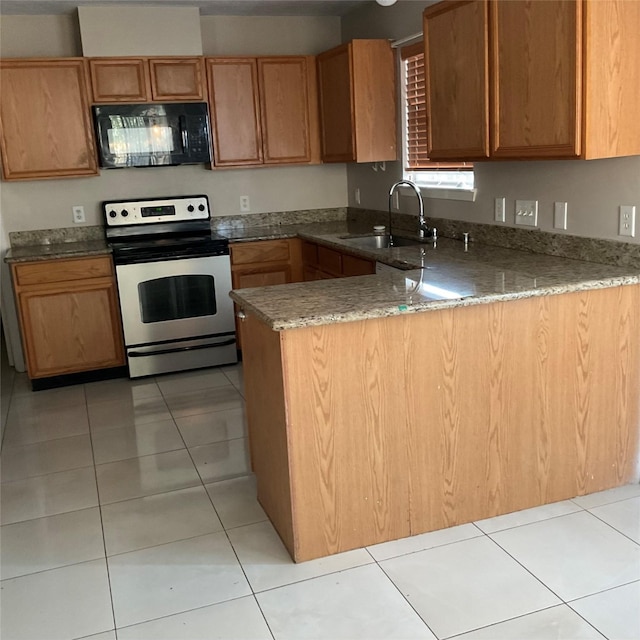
x=190 y=208
x=124 y=213
x=112 y=214
x=200 y=207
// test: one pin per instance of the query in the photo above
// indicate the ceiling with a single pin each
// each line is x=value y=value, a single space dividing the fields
x=207 y=7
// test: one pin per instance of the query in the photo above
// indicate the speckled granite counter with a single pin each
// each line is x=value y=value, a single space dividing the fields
x=452 y=276
x=30 y=253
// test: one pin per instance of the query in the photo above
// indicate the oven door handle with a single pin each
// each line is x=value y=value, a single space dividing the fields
x=142 y=354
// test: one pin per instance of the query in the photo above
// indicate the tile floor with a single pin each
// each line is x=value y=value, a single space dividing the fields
x=128 y=511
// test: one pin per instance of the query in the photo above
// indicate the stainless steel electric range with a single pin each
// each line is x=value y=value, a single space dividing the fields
x=174 y=278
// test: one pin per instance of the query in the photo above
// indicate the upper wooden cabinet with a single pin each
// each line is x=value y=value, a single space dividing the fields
x=147 y=79
x=263 y=110
x=45 y=122
x=518 y=79
x=358 y=102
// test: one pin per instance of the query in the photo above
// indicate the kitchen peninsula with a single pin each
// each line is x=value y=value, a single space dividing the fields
x=388 y=405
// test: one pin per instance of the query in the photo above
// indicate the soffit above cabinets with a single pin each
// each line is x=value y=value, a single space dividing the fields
x=206 y=7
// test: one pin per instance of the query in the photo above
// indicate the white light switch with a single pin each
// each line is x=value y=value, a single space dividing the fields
x=527 y=212
x=499 y=210
x=559 y=215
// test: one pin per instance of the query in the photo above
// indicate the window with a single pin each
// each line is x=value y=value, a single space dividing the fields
x=417 y=166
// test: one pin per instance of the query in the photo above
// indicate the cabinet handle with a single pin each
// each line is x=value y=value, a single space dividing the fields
x=241 y=315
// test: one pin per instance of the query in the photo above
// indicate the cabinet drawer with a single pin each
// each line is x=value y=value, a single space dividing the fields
x=46 y=271
x=330 y=260
x=263 y=251
x=353 y=266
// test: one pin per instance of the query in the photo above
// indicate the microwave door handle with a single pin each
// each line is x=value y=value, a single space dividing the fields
x=184 y=133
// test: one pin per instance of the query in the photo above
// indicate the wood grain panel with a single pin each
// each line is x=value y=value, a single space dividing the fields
x=284 y=109
x=177 y=79
x=330 y=261
x=536 y=62
x=120 y=80
x=235 y=111
x=315 y=149
x=45 y=271
x=612 y=79
x=45 y=122
x=354 y=266
x=456 y=40
x=259 y=252
x=267 y=419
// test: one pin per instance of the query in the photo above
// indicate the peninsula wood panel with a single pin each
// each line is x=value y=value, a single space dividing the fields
x=536 y=78
x=409 y=424
x=456 y=40
x=120 y=80
x=177 y=79
x=45 y=122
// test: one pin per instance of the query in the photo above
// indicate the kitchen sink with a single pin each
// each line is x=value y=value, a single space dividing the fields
x=380 y=242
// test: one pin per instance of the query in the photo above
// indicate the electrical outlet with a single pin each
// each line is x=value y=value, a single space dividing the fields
x=527 y=212
x=245 y=204
x=499 y=210
x=78 y=214
x=560 y=215
x=357 y=195
x=627 y=221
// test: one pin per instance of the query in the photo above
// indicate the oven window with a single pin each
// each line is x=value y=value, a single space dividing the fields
x=176 y=297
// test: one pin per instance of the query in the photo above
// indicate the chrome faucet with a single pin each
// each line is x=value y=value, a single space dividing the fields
x=423 y=229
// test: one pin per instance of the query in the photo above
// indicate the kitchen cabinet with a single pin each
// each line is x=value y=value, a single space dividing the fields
x=265 y=262
x=147 y=79
x=357 y=88
x=553 y=79
x=320 y=262
x=45 y=122
x=263 y=110
x=69 y=315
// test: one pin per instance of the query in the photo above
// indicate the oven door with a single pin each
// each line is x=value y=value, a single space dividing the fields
x=175 y=299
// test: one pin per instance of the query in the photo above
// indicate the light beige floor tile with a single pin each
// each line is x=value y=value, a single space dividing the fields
x=466 y=585
x=174 y=578
x=51 y=542
x=145 y=476
x=606 y=497
x=615 y=613
x=222 y=460
x=153 y=520
x=64 y=603
x=107 y=635
x=204 y=401
x=132 y=442
x=357 y=603
x=116 y=414
x=22 y=385
x=558 y=622
x=50 y=399
x=48 y=495
x=527 y=516
x=42 y=458
x=234 y=373
x=239 y=619
x=206 y=428
x=555 y=551
x=623 y=516
x=175 y=383
x=401 y=547
x=40 y=425
x=121 y=389
x=236 y=502
x=267 y=564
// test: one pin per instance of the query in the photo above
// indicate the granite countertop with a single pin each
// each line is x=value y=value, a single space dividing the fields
x=437 y=275
x=30 y=253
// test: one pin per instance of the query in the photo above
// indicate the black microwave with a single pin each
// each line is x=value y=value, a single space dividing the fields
x=149 y=135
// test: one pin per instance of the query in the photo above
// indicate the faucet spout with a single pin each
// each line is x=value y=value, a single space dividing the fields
x=423 y=229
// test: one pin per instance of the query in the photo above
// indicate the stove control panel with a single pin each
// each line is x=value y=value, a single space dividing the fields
x=180 y=209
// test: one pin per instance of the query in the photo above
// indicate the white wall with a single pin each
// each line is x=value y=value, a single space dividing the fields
x=593 y=189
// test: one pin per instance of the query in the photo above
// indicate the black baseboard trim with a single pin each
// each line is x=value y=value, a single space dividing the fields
x=53 y=382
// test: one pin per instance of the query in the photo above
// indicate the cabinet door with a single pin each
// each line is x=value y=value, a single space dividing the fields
x=177 y=79
x=120 y=80
x=336 y=105
x=456 y=41
x=233 y=97
x=284 y=109
x=45 y=123
x=536 y=63
x=71 y=327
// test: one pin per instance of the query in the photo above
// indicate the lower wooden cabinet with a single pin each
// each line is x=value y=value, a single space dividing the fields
x=69 y=315
x=265 y=262
x=320 y=262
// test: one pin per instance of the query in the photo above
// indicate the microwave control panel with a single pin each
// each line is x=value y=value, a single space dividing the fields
x=178 y=209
